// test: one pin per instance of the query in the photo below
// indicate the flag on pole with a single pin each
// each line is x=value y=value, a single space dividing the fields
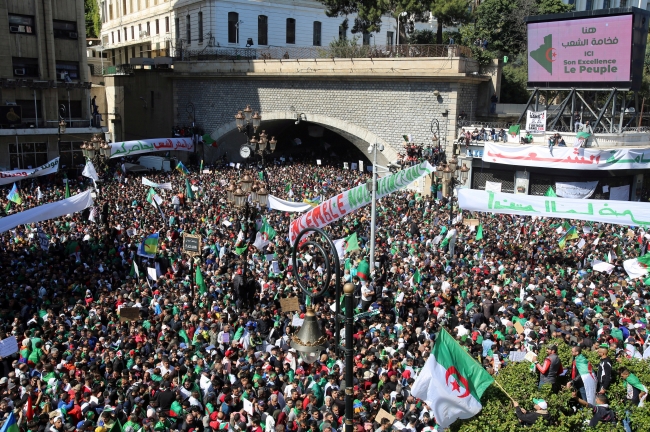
x=550 y=192
x=479 y=232
x=451 y=382
x=135 y=271
x=14 y=196
x=363 y=270
x=153 y=198
x=201 y=168
x=417 y=278
x=182 y=169
x=188 y=190
x=261 y=175
x=89 y=171
x=572 y=233
x=39 y=194
x=264 y=235
x=10 y=424
x=199 y=281
x=582 y=367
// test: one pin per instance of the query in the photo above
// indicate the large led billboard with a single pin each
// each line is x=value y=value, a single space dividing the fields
x=570 y=50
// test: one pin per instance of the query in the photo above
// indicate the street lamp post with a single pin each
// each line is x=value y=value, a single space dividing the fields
x=310 y=340
x=373 y=206
x=246 y=122
x=451 y=175
x=98 y=151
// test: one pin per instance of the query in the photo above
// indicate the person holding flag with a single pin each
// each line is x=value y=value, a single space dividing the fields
x=582 y=377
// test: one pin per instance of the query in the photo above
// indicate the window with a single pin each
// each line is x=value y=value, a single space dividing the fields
x=112 y=37
x=71 y=154
x=65 y=29
x=125 y=35
x=132 y=32
x=200 y=27
x=25 y=67
x=623 y=3
x=166 y=24
x=606 y=4
x=104 y=15
x=141 y=49
x=177 y=27
x=291 y=31
x=389 y=38
x=27 y=155
x=589 y=5
x=123 y=7
x=139 y=30
x=71 y=69
x=157 y=26
x=30 y=111
x=366 y=38
x=21 y=24
x=233 y=27
x=262 y=30
x=343 y=33
x=118 y=37
x=110 y=11
x=148 y=29
x=317 y=33
x=188 y=30
x=132 y=51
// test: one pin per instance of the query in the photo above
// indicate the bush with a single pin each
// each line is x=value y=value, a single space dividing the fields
x=498 y=414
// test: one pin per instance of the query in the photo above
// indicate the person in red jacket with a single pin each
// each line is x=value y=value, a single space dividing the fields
x=550 y=369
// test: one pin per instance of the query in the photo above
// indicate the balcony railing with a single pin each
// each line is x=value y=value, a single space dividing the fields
x=357 y=51
x=124 y=69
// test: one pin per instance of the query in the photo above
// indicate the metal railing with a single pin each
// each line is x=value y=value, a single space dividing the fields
x=480 y=124
x=124 y=69
x=357 y=51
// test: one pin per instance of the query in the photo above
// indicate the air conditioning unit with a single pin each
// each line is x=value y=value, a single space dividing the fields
x=14 y=29
x=73 y=35
x=19 y=71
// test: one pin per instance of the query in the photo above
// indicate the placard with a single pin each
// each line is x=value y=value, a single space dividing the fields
x=192 y=244
x=382 y=414
x=289 y=304
x=531 y=357
x=248 y=406
x=517 y=356
x=519 y=327
x=8 y=346
x=129 y=313
x=471 y=222
x=536 y=121
x=318 y=161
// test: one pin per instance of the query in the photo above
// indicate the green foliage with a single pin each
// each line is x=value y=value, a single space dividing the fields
x=347 y=48
x=545 y=7
x=450 y=13
x=513 y=81
x=93 y=21
x=498 y=414
x=422 y=37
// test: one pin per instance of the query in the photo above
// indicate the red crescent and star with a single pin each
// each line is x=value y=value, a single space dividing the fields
x=455 y=386
x=553 y=54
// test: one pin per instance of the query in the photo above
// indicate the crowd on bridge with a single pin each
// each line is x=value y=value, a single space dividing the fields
x=214 y=353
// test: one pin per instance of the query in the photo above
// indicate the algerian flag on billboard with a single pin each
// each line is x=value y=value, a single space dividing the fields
x=451 y=382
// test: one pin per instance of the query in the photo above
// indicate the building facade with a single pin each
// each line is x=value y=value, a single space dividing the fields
x=584 y=5
x=43 y=79
x=150 y=29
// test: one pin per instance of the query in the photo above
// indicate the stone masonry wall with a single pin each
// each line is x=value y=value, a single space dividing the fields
x=389 y=109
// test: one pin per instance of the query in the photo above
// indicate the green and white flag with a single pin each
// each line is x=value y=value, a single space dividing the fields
x=264 y=235
x=451 y=382
x=152 y=197
x=346 y=244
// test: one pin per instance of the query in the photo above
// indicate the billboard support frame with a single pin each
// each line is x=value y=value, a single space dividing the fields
x=599 y=114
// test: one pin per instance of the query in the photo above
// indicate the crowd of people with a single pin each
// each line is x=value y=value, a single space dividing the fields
x=220 y=357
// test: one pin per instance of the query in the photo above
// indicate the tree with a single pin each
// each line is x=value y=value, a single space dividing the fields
x=449 y=13
x=422 y=37
x=93 y=22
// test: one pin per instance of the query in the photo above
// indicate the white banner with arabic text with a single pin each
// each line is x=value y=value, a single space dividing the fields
x=276 y=203
x=567 y=157
x=74 y=204
x=147 y=182
x=615 y=212
x=7 y=177
x=128 y=148
x=575 y=190
x=353 y=199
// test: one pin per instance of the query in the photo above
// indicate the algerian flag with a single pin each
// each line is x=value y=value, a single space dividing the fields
x=351 y=243
x=514 y=132
x=632 y=352
x=268 y=230
x=550 y=192
x=363 y=270
x=152 y=197
x=135 y=271
x=89 y=171
x=261 y=240
x=199 y=281
x=582 y=367
x=339 y=245
x=479 y=232
x=451 y=382
x=188 y=190
x=637 y=267
x=417 y=278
